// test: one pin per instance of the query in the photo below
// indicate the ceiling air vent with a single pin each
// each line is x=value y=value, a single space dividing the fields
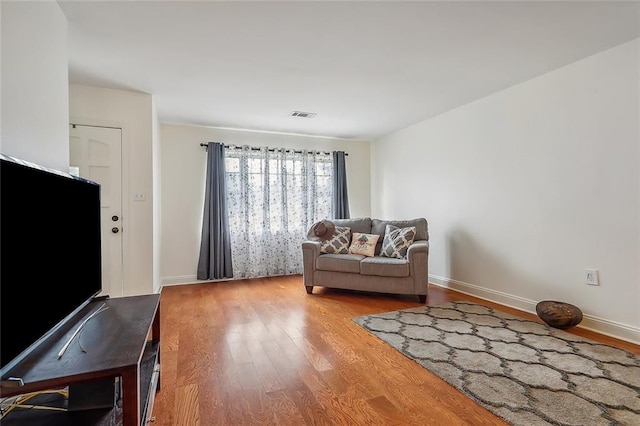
x=303 y=114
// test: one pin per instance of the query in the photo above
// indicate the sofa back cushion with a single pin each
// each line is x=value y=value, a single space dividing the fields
x=359 y=224
x=378 y=226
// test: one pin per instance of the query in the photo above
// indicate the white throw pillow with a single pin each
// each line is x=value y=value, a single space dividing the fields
x=364 y=244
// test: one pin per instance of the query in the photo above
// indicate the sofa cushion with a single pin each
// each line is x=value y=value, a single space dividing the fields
x=379 y=226
x=339 y=243
x=364 y=244
x=384 y=266
x=397 y=241
x=359 y=224
x=339 y=262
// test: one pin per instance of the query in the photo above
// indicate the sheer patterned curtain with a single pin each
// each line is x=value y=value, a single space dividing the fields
x=274 y=196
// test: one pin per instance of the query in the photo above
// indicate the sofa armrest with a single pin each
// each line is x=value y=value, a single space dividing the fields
x=310 y=252
x=418 y=258
x=418 y=246
x=313 y=246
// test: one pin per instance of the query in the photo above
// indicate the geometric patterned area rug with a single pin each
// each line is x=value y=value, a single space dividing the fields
x=524 y=372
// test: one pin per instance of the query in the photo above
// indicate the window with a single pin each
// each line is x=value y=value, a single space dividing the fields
x=274 y=196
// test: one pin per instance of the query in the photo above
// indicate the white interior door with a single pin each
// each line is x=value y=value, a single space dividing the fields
x=95 y=153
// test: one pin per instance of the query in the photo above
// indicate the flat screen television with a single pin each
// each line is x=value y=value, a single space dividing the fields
x=50 y=255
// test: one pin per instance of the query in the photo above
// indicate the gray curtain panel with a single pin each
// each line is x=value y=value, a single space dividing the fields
x=215 y=245
x=340 y=199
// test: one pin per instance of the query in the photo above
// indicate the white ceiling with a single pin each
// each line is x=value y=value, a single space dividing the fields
x=366 y=68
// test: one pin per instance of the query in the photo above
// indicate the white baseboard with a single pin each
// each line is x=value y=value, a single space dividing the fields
x=179 y=280
x=188 y=279
x=600 y=325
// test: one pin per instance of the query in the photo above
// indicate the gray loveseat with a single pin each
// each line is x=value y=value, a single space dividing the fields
x=379 y=274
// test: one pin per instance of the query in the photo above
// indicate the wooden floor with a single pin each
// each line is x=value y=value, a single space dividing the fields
x=264 y=352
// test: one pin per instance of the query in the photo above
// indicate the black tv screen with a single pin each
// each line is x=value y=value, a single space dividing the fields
x=50 y=255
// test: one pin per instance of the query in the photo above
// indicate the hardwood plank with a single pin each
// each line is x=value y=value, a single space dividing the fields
x=186 y=406
x=313 y=413
x=284 y=409
x=265 y=352
x=266 y=371
x=211 y=405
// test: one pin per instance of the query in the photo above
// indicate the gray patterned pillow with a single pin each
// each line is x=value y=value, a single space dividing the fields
x=396 y=241
x=339 y=243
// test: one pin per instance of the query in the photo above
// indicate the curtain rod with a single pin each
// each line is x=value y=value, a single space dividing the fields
x=271 y=149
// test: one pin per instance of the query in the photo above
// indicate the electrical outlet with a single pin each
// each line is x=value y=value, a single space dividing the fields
x=591 y=277
x=138 y=196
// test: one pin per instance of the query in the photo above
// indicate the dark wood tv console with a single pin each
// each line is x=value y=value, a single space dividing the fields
x=111 y=367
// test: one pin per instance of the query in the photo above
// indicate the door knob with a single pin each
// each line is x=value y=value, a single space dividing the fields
x=114 y=218
x=115 y=230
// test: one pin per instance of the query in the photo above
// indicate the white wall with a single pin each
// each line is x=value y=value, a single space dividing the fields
x=183 y=168
x=35 y=98
x=132 y=112
x=526 y=188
